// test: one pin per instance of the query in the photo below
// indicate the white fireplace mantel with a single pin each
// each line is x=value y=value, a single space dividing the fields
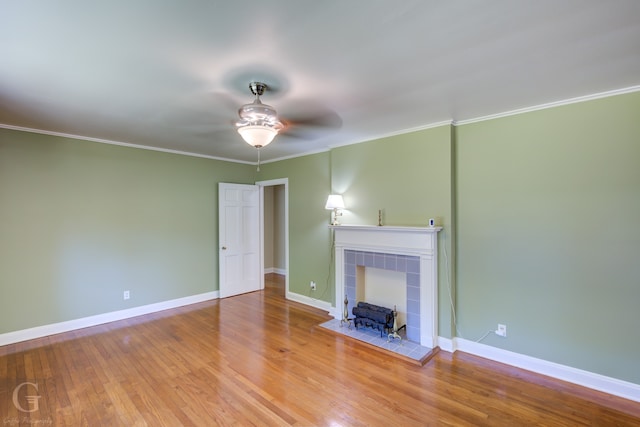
x=401 y=240
x=421 y=242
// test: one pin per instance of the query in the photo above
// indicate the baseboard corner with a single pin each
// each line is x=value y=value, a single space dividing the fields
x=303 y=299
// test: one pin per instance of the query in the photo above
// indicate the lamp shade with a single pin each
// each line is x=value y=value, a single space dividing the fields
x=257 y=136
x=334 y=201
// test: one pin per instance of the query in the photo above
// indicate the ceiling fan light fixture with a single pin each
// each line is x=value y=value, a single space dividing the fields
x=257 y=111
x=257 y=136
x=259 y=122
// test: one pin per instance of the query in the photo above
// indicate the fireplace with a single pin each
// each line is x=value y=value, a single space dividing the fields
x=411 y=251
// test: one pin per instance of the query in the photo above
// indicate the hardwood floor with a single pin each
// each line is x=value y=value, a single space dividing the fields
x=257 y=359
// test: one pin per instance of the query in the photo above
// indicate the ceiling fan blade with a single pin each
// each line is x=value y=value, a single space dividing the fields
x=310 y=125
x=226 y=101
x=310 y=113
x=200 y=113
x=328 y=120
x=206 y=129
x=295 y=135
x=305 y=133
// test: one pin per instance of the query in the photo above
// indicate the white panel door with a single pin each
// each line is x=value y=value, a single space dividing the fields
x=239 y=238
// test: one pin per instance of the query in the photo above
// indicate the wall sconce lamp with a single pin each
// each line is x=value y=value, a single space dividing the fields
x=335 y=202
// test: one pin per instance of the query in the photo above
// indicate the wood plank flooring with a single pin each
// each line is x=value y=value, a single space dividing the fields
x=257 y=359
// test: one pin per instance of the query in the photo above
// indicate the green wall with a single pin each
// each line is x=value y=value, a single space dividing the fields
x=81 y=222
x=309 y=253
x=409 y=178
x=548 y=234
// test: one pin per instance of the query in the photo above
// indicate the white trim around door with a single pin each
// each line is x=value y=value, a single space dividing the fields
x=269 y=183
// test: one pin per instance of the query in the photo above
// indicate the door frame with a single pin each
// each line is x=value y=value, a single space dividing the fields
x=271 y=183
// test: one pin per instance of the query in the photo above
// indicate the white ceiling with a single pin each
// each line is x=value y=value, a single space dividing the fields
x=172 y=74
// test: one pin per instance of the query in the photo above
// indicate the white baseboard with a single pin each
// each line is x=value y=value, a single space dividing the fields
x=280 y=271
x=85 y=322
x=446 y=344
x=588 y=379
x=303 y=299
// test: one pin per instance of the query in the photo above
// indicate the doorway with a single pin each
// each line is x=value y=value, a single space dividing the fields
x=274 y=220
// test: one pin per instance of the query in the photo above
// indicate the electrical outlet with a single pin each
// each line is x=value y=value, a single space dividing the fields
x=126 y=295
x=502 y=330
x=312 y=285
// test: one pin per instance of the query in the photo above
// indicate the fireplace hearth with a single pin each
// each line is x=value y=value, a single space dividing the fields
x=403 y=349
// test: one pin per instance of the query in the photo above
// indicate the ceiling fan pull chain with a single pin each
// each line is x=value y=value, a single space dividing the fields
x=258 y=160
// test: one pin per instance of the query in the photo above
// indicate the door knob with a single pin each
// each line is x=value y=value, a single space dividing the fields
x=224 y=248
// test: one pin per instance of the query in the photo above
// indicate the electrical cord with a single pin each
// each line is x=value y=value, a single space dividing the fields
x=485 y=335
x=331 y=261
x=453 y=308
x=329 y=270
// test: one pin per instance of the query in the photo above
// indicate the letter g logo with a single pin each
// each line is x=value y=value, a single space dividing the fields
x=32 y=400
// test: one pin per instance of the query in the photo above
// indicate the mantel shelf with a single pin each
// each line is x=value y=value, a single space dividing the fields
x=397 y=228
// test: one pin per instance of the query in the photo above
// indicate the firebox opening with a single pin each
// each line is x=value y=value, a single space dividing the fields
x=385 y=288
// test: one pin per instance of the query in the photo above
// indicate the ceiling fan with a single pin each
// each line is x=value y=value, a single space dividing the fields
x=218 y=116
x=259 y=123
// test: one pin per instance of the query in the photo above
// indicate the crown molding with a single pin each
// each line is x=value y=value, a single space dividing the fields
x=121 y=144
x=554 y=104
x=451 y=122
x=293 y=156
x=396 y=133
